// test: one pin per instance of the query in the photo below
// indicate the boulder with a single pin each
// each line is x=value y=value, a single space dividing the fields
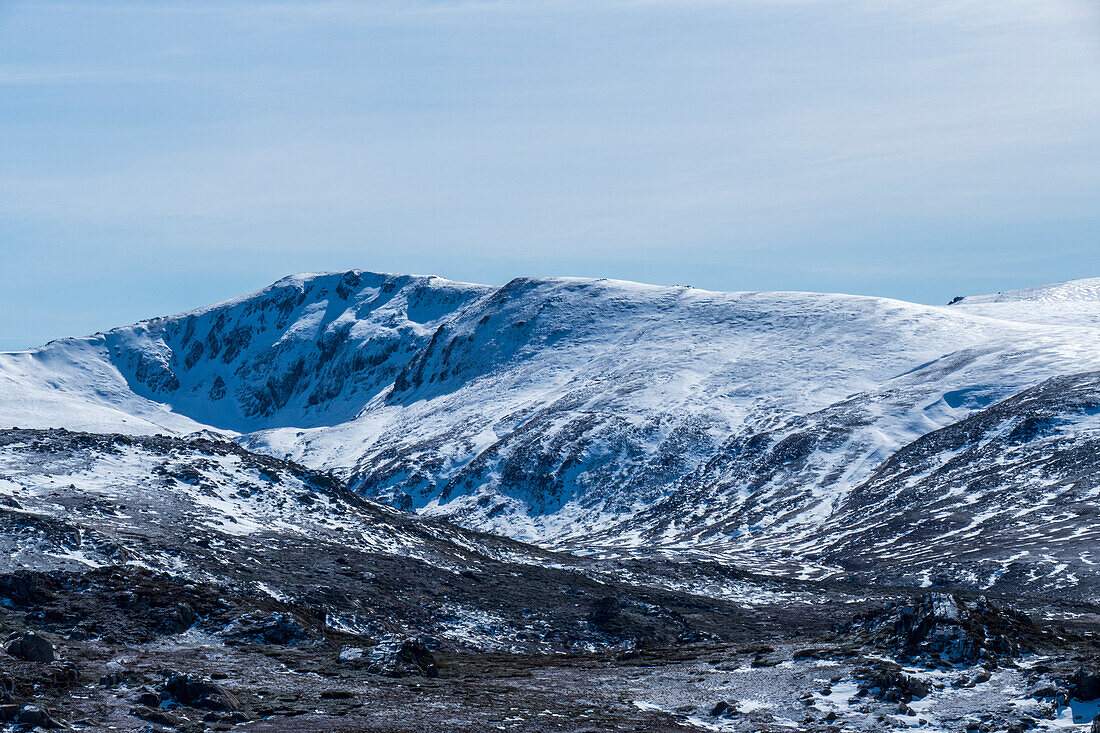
x=723 y=709
x=395 y=656
x=31 y=647
x=156 y=715
x=941 y=627
x=1085 y=683
x=148 y=698
x=180 y=619
x=36 y=716
x=21 y=588
x=199 y=693
x=887 y=682
x=259 y=628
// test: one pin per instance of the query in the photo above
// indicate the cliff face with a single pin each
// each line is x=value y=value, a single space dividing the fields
x=310 y=350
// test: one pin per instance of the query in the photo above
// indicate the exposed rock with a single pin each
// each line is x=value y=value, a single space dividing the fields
x=942 y=627
x=259 y=628
x=723 y=709
x=31 y=647
x=887 y=682
x=199 y=693
x=21 y=588
x=148 y=698
x=1051 y=692
x=1085 y=683
x=156 y=715
x=394 y=656
x=181 y=618
x=36 y=717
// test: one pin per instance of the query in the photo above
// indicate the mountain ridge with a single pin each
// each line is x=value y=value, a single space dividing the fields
x=581 y=414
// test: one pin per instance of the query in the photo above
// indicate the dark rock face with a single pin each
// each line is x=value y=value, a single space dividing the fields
x=394 y=656
x=942 y=628
x=1085 y=683
x=257 y=628
x=272 y=374
x=28 y=716
x=887 y=682
x=20 y=588
x=199 y=693
x=724 y=709
x=31 y=647
x=149 y=699
x=181 y=619
x=36 y=716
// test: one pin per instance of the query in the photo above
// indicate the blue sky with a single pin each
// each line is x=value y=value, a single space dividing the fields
x=156 y=156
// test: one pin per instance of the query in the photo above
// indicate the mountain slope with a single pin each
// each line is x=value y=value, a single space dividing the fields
x=204 y=512
x=583 y=414
x=1008 y=496
x=308 y=350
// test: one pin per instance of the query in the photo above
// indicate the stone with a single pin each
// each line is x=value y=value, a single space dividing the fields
x=1085 y=683
x=258 y=628
x=199 y=693
x=36 y=716
x=30 y=646
x=21 y=588
x=181 y=619
x=394 y=656
x=723 y=709
x=350 y=654
x=156 y=715
x=148 y=698
x=941 y=627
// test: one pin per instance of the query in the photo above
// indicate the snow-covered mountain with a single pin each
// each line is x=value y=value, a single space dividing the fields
x=283 y=554
x=605 y=415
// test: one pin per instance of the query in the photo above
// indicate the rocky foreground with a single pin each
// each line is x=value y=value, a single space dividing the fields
x=166 y=584
x=129 y=649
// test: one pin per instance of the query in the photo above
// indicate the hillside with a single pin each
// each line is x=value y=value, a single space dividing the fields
x=593 y=415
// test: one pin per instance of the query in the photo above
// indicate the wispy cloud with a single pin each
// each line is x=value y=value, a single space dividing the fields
x=682 y=136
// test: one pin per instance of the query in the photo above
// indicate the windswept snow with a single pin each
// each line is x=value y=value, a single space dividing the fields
x=600 y=415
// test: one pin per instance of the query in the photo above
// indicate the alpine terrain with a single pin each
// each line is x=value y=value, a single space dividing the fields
x=359 y=501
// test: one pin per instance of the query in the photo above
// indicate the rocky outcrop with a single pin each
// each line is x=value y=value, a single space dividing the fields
x=1085 y=683
x=259 y=628
x=940 y=627
x=31 y=647
x=199 y=693
x=395 y=656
